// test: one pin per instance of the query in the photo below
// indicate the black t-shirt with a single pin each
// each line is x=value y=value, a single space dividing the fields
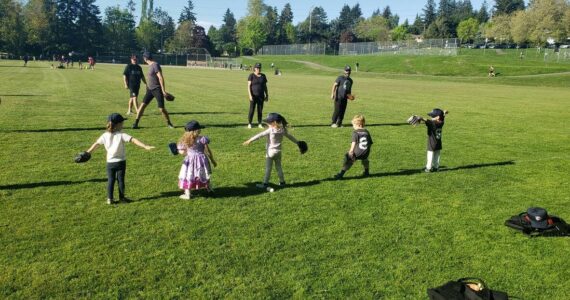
x=434 y=135
x=344 y=87
x=134 y=75
x=258 y=84
x=363 y=142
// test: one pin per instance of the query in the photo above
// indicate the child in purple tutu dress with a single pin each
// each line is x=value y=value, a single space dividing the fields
x=195 y=172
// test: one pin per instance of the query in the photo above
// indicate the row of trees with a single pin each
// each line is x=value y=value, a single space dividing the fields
x=59 y=26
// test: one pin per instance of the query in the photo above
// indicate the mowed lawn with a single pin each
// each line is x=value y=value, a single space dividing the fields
x=389 y=236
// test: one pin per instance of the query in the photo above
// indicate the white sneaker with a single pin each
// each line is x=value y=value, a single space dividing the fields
x=260 y=125
x=185 y=196
x=249 y=126
x=334 y=126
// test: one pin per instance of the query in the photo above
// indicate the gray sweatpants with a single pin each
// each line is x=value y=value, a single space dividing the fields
x=269 y=160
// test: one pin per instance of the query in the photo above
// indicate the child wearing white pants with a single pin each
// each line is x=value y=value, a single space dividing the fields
x=434 y=144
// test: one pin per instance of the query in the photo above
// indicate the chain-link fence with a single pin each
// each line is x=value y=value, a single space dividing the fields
x=295 y=49
x=410 y=47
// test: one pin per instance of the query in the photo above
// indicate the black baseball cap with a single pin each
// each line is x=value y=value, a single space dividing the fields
x=257 y=65
x=115 y=118
x=275 y=117
x=538 y=217
x=347 y=68
x=147 y=55
x=193 y=125
x=436 y=112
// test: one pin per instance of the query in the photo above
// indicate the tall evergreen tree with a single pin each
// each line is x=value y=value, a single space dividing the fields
x=165 y=24
x=508 y=6
x=429 y=13
x=285 y=22
x=119 y=29
x=89 y=28
x=187 y=13
x=483 y=13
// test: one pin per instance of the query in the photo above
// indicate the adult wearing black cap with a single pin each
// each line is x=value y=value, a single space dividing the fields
x=257 y=90
x=155 y=88
x=132 y=77
x=341 y=88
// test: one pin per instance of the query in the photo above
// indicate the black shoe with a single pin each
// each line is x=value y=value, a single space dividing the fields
x=435 y=169
x=125 y=200
x=365 y=174
x=135 y=126
x=282 y=183
x=338 y=176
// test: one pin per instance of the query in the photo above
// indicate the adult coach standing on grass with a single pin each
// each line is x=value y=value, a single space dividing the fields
x=257 y=90
x=132 y=77
x=341 y=88
x=155 y=88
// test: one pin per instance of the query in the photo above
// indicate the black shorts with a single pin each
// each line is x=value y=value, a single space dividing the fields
x=134 y=90
x=151 y=94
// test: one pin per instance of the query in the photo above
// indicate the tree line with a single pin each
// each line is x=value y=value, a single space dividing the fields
x=60 y=26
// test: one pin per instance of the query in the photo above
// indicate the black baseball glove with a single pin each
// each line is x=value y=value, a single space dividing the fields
x=82 y=157
x=173 y=148
x=414 y=120
x=169 y=97
x=303 y=147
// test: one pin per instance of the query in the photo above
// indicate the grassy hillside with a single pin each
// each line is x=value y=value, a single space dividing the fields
x=389 y=236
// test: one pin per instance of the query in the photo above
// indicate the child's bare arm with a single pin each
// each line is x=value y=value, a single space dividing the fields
x=210 y=155
x=352 y=146
x=141 y=144
x=93 y=147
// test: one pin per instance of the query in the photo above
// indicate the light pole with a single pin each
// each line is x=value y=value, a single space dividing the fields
x=310 y=24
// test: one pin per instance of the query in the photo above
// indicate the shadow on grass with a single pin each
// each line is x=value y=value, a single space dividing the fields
x=408 y=172
x=203 y=113
x=54 y=130
x=348 y=126
x=23 y=95
x=246 y=190
x=47 y=184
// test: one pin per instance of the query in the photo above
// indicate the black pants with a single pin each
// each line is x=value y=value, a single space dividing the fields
x=349 y=161
x=116 y=172
x=339 y=110
x=257 y=101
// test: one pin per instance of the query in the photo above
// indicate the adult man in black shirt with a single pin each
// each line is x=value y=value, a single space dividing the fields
x=341 y=88
x=155 y=88
x=132 y=77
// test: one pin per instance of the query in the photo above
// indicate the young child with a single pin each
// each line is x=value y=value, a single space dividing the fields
x=434 y=146
x=195 y=171
x=359 y=148
x=114 y=141
x=275 y=133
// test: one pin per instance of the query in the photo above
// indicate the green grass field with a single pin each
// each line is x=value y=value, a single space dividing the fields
x=389 y=236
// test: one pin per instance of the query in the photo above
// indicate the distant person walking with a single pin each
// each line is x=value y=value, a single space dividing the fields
x=26 y=58
x=257 y=90
x=341 y=88
x=132 y=77
x=155 y=88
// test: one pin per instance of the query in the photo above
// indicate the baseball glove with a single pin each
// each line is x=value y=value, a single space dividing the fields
x=169 y=97
x=351 y=97
x=303 y=147
x=173 y=148
x=414 y=120
x=82 y=157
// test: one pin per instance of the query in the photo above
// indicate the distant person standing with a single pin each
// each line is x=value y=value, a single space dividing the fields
x=155 y=88
x=91 y=62
x=257 y=90
x=132 y=77
x=341 y=88
x=26 y=58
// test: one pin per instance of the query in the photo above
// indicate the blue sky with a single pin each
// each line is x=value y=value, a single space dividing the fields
x=210 y=12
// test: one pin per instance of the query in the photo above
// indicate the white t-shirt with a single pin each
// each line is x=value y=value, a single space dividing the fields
x=115 y=145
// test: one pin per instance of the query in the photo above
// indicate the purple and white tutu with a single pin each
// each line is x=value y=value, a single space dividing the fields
x=195 y=171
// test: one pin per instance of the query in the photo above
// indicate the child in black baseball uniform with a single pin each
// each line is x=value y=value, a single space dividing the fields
x=434 y=145
x=359 y=148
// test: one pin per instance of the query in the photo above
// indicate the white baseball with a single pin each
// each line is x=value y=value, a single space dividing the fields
x=270 y=189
